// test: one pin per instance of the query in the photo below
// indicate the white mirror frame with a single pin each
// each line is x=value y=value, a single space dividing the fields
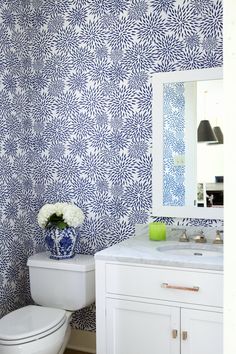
x=158 y=209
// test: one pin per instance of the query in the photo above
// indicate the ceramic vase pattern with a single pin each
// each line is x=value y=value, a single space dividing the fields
x=61 y=243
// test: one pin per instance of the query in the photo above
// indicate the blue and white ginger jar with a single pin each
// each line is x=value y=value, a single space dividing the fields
x=61 y=243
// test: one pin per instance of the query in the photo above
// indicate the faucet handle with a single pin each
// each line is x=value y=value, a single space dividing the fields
x=184 y=237
x=218 y=240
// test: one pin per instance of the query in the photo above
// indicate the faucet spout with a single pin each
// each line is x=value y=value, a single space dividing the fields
x=200 y=238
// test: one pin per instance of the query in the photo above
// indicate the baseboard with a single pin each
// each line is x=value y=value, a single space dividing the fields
x=81 y=349
x=83 y=341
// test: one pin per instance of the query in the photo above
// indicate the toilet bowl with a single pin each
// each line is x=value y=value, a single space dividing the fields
x=58 y=288
x=34 y=330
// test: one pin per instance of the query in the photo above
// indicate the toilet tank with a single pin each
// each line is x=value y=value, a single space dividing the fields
x=66 y=284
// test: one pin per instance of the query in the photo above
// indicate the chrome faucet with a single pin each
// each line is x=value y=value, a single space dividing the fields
x=200 y=238
x=218 y=240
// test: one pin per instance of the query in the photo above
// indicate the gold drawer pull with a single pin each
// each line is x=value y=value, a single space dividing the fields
x=168 y=286
x=174 y=333
x=184 y=335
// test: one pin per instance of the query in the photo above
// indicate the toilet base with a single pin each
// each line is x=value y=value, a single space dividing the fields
x=66 y=339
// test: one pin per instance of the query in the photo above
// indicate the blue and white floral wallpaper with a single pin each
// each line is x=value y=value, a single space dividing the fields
x=75 y=110
x=174 y=144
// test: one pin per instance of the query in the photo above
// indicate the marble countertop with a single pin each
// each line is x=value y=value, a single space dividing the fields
x=139 y=249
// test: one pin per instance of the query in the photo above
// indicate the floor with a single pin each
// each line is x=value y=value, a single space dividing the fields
x=70 y=351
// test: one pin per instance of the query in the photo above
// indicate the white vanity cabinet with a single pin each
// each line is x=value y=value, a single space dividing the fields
x=135 y=327
x=149 y=309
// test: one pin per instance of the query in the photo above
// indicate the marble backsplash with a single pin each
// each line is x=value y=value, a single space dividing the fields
x=174 y=231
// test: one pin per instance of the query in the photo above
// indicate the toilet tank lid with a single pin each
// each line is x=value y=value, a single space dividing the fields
x=79 y=263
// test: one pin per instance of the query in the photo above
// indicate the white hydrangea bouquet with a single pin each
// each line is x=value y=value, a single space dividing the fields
x=60 y=215
x=59 y=222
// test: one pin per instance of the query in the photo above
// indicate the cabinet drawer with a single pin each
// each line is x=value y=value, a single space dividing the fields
x=165 y=284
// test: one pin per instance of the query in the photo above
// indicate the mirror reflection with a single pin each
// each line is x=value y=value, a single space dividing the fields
x=193 y=144
x=210 y=175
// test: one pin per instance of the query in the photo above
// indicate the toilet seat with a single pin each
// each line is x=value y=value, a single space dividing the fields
x=30 y=323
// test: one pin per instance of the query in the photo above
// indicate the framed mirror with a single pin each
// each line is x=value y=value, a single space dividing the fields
x=188 y=178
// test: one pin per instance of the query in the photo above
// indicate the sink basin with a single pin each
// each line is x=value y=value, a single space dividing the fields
x=192 y=251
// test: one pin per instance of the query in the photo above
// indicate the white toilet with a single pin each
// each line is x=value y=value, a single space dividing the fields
x=60 y=287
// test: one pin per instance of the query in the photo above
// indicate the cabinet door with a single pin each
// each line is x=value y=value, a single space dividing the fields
x=202 y=332
x=142 y=328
